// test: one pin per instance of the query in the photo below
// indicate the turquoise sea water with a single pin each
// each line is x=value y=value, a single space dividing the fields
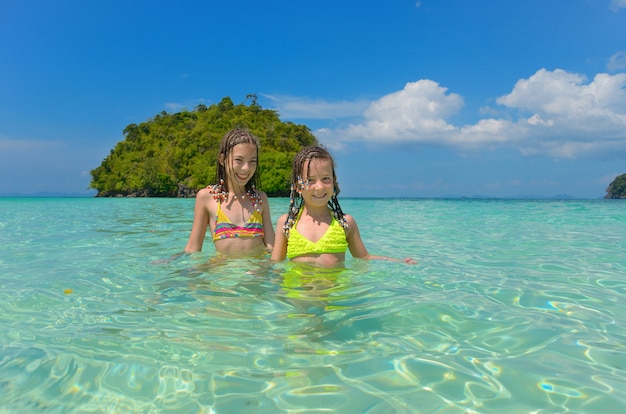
x=516 y=306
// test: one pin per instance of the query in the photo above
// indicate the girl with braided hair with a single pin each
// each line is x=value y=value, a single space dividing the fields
x=237 y=213
x=316 y=230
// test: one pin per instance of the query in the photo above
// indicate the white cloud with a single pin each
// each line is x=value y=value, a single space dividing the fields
x=566 y=117
x=10 y=147
x=305 y=108
x=617 y=61
x=617 y=4
x=560 y=114
x=174 y=106
x=417 y=113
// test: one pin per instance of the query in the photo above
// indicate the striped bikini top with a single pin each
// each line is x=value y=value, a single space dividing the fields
x=226 y=229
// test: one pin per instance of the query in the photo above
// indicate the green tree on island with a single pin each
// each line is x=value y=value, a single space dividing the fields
x=174 y=155
x=617 y=189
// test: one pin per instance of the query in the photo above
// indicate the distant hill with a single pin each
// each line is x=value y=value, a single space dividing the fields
x=174 y=155
x=617 y=188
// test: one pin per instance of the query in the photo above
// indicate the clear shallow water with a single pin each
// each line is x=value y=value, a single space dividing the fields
x=516 y=306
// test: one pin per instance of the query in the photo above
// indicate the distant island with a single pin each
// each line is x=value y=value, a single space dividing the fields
x=617 y=189
x=175 y=155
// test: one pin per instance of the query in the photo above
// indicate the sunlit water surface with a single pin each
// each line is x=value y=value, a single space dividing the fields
x=516 y=306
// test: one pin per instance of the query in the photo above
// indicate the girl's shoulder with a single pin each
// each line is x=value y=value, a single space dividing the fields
x=349 y=219
x=351 y=222
x=262 y=195
x=206 y=192
x=207 y=196
x=261 y=199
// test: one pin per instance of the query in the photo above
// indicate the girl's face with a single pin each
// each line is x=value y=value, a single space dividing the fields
x=240 y=165
x=319 y=184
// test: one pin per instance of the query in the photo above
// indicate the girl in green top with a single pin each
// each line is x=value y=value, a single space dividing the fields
x=315 y=230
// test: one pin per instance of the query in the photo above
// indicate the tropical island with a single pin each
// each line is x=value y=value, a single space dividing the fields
x=174 y=155
x=617 y=188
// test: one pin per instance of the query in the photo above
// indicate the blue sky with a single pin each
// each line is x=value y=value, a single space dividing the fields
x=425 y=98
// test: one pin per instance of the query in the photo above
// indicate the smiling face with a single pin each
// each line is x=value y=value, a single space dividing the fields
x=240 y=166
x=319 y=182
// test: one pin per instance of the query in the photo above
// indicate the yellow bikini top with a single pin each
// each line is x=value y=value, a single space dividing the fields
x=333 y=241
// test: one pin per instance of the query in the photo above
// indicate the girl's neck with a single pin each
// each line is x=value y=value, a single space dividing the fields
x=317 y=213
x=245 y=196
x=239 y=193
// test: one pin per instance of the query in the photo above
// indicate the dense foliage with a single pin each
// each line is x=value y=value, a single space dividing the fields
x=617 y=189
x=175 y=154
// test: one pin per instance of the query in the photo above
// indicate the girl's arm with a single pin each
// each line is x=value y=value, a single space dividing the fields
x=268 y=228
x=355 y=244
x=200 y=221
x=279 y=253
x=358 y=249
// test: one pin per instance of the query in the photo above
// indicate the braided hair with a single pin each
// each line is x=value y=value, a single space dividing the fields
x=231 y=138
x=300 y=165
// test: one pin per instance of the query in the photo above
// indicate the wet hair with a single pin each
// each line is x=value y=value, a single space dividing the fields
x=231 y=138
x=301 y=163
